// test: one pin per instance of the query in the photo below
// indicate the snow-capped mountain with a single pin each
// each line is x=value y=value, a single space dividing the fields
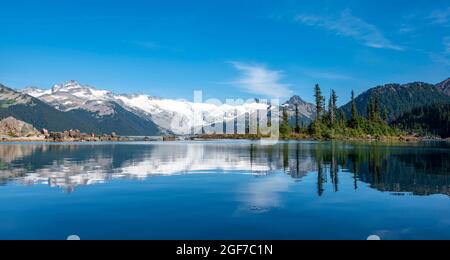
x=305 y=109
x=41 y=114
x=180 y=117
x=173 y=116
x=72 y=95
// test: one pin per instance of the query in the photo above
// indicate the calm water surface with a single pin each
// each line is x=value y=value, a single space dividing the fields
x=224 y=190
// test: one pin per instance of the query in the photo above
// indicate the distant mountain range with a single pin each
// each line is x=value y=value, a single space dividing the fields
x=101 y=111
x=75 y=106
x=41 y=114
x=399 y=99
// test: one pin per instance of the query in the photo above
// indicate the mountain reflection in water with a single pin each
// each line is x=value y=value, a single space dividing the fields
x=417 y=169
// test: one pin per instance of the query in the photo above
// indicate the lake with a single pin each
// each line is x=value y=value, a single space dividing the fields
x=224 y=190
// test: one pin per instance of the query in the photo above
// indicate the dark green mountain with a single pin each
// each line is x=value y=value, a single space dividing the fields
x=432 y=119
x=444 y=86
x=42 y=115
x=398 y=99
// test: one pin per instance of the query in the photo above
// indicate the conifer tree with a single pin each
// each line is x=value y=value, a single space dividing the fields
x=297 y=120
x=319 y=103
x=370 y=110
x=376 y=109
x=354 y=116
x=285 y=130
x=341 y=118
x=333 y=107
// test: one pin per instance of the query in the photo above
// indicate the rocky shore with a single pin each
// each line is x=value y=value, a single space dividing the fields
x=13 y=130
x=305 y=137
x=77 y=136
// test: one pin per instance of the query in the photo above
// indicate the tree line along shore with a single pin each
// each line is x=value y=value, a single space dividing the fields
x=330 y=123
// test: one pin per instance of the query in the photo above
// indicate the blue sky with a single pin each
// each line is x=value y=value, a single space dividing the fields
x=228 y=49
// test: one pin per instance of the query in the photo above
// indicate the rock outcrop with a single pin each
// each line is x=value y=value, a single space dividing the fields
x=77 y=136
x=444 y=86
x=11 y=127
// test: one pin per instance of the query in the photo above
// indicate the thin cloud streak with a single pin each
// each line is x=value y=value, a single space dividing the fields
x=257 y=79
x=438 y=58
x=350 y=26
x=441 y=17
x=446 y=42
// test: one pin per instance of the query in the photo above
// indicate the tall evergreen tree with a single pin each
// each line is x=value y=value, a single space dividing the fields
x=376 y=109
x=320 y=102
x=333 y=107
x=327 y=116
x=297 y=120
x=373 y=110
x=341 y=118
x=354 y=118
x=370 y=110
x=285 y=130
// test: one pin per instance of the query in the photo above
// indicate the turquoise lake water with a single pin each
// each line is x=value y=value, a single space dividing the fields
x=224 y=190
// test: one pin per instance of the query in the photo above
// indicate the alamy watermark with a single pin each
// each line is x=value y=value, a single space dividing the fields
x=233 y=117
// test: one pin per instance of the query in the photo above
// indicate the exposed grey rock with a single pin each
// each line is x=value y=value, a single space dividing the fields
x=9 y=97
x=15 y=128
x=72 y=95
x=74 y=134
x=77 y=136
x=444 y=86
x=45 y=132
x=305 y=109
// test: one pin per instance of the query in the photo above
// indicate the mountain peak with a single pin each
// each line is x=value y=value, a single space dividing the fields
x=296 y=100
x=305 y=109
x=444 y=86
x=35 y=91
x=81 y=91
x=67 y=86
x=10 y=97
x=72 y=95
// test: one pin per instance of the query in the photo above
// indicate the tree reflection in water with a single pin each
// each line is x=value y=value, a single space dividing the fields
x=417 y=169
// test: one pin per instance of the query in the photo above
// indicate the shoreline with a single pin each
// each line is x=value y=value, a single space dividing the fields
x=304 y=137
x=43 y=139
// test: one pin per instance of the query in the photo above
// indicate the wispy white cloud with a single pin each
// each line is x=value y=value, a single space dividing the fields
x=441 y=17
x=350 y=26
x=258 y=79
x=409 y=23
x=406 y=28
x=438 y=58
x=442 y=57
x=446 y=42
